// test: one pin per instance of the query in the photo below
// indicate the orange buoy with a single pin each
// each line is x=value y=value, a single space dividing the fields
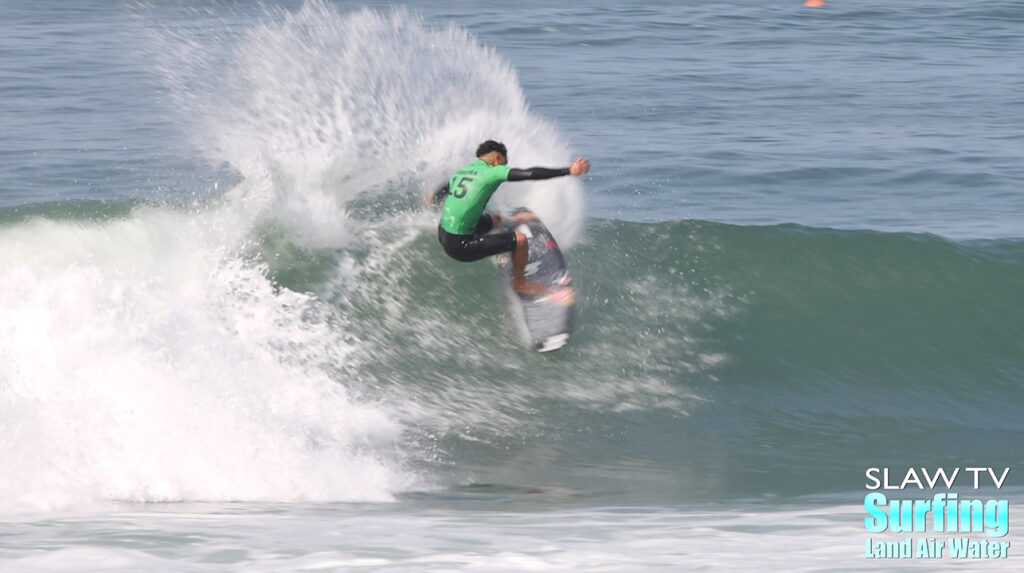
x=814 y=3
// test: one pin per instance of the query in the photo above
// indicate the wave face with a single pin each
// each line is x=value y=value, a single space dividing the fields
x=709 y=359
x=835 y=350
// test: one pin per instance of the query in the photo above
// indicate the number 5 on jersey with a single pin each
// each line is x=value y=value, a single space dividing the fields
x=460 y=189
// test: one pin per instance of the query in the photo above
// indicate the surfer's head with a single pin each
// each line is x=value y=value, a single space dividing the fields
x=493 y=152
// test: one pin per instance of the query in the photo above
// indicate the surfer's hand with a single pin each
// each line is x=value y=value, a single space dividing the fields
x=579 y=167
x=436 y=197
x=429 y=199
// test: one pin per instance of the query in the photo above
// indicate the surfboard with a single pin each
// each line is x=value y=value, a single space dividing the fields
x=547 y=318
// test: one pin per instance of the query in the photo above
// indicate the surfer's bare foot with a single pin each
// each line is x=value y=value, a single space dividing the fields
x=529 y=288
x=524 y=217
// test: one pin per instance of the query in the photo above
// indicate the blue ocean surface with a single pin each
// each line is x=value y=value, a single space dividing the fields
x=229 y=339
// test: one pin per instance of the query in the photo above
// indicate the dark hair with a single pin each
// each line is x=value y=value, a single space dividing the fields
x=489 y=146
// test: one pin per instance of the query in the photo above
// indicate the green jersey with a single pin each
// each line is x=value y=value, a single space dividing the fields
x=469 y=190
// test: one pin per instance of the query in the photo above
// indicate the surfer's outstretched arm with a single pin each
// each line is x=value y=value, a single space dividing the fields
x=578 y=167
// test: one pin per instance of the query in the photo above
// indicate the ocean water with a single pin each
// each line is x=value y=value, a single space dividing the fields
x=230 y=342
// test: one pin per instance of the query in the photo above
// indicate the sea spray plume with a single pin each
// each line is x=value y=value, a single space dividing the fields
x=316 y=107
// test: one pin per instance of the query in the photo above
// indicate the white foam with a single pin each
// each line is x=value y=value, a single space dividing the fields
x=150 y=359
x=720 y=537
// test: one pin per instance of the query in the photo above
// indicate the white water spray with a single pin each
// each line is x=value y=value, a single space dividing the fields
x=327 y=106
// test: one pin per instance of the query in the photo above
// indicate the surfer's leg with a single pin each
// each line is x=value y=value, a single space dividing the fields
x=468 y=248
x=499 y=221
x=496 y=222
x=519 y=258
x=488 y=222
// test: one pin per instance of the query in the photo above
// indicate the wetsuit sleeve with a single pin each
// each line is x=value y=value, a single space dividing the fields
x=535 y=173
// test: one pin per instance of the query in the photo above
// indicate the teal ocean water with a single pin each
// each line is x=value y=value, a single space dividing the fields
x=230 y=341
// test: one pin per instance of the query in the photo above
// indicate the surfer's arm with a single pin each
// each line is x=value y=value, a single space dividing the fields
x=579 y=167
x=535 y=173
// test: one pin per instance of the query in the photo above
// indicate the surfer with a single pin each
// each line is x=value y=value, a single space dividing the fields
x=465 y=228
